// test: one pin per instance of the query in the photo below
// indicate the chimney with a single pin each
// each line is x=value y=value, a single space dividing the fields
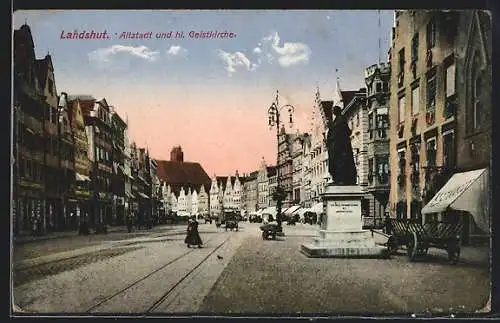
x=176 y=154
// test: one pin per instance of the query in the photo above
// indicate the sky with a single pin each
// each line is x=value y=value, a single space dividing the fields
x=210 y=96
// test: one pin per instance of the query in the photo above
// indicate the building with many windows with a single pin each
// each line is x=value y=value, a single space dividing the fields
x=377 y=79
x=472 y=100
x=30 y=110
x=83 y=165
x=436 y=58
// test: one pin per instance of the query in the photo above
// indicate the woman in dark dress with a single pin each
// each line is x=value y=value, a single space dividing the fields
x=193 y=236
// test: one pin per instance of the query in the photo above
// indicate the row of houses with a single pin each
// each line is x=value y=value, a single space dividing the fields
x=419 y=119
x=72 y=158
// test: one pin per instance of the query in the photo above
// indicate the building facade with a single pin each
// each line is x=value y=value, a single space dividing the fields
x=176 y=174
x=272 y=175
x=262 y=186
x=318 y=153
x=306 y=173
x=377 y=79
x=119 y=177
x=473 y=104
x=67 y=165
x=29 y=147
x=83 y=165
x=285 y=166
x=422 y=119
x=251 y=192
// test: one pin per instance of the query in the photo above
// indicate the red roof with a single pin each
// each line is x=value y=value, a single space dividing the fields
x=183 y=174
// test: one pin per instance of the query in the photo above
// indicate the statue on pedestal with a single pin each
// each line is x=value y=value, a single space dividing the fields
x=338 y=143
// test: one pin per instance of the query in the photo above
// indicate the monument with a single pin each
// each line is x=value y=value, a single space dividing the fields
x=341 y=233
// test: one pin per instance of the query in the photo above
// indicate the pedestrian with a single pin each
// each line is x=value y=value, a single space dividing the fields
x=193 y=236
x=129 y=223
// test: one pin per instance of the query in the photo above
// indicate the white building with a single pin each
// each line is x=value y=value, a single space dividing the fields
x=306 y=173
x=203 y=201
x=194 y=203
x=226 y=192
x=318 y=154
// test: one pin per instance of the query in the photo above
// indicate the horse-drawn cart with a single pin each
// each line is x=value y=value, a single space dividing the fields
x=419 y=238
x=271 y=230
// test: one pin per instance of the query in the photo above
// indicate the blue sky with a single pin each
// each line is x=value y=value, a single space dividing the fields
x=230 y=77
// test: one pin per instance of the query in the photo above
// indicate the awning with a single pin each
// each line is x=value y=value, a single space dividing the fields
x=143 y=195
x=82 y=178
x=292 y=209
x=467 y=191
x=270 y=210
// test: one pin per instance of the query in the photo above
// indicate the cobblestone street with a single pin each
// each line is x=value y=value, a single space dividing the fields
x=238 y=272
x=283 y=280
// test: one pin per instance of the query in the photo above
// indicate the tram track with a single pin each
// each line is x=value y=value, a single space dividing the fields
x=157 y=270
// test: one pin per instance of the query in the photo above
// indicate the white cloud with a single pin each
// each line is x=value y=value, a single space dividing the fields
x=291 y=53
x=176 y=50
x=234 y=60
x=105 y=54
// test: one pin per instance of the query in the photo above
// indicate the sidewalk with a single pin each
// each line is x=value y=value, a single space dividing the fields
x=63 y=234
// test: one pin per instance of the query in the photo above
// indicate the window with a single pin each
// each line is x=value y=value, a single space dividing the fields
x=448 y=150
x=431 y=34
x=431 y=152
x=382 y=125
x=402 y=161
x=379 y=87
x=383 y=170
x=370 y=170
x=357 y=119
x=415 y=158
x=401 y=109
x=51 y=86
x=401 y=60
x=477 y=83
x=431 y=94
x=450 y=80
x=415 y=101
x=414 y=48
x=386 y=87
x=370 y=125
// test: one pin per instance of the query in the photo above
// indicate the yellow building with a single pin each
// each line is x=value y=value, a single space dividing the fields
x=422 y=108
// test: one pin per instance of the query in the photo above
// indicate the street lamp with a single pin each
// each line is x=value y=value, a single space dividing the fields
x=274 y=114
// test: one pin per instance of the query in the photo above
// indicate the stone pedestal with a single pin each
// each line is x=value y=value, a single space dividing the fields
x=341 y=233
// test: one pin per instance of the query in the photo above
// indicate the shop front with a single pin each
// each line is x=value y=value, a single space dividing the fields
x=466 y=198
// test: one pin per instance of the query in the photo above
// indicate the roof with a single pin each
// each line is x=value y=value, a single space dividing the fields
x=81 y=97
x=222 y=180
x=347 y=96
x=23 y=36
x=183 y=174
x=357 y=94
x=86 y=102
x=42 y=69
